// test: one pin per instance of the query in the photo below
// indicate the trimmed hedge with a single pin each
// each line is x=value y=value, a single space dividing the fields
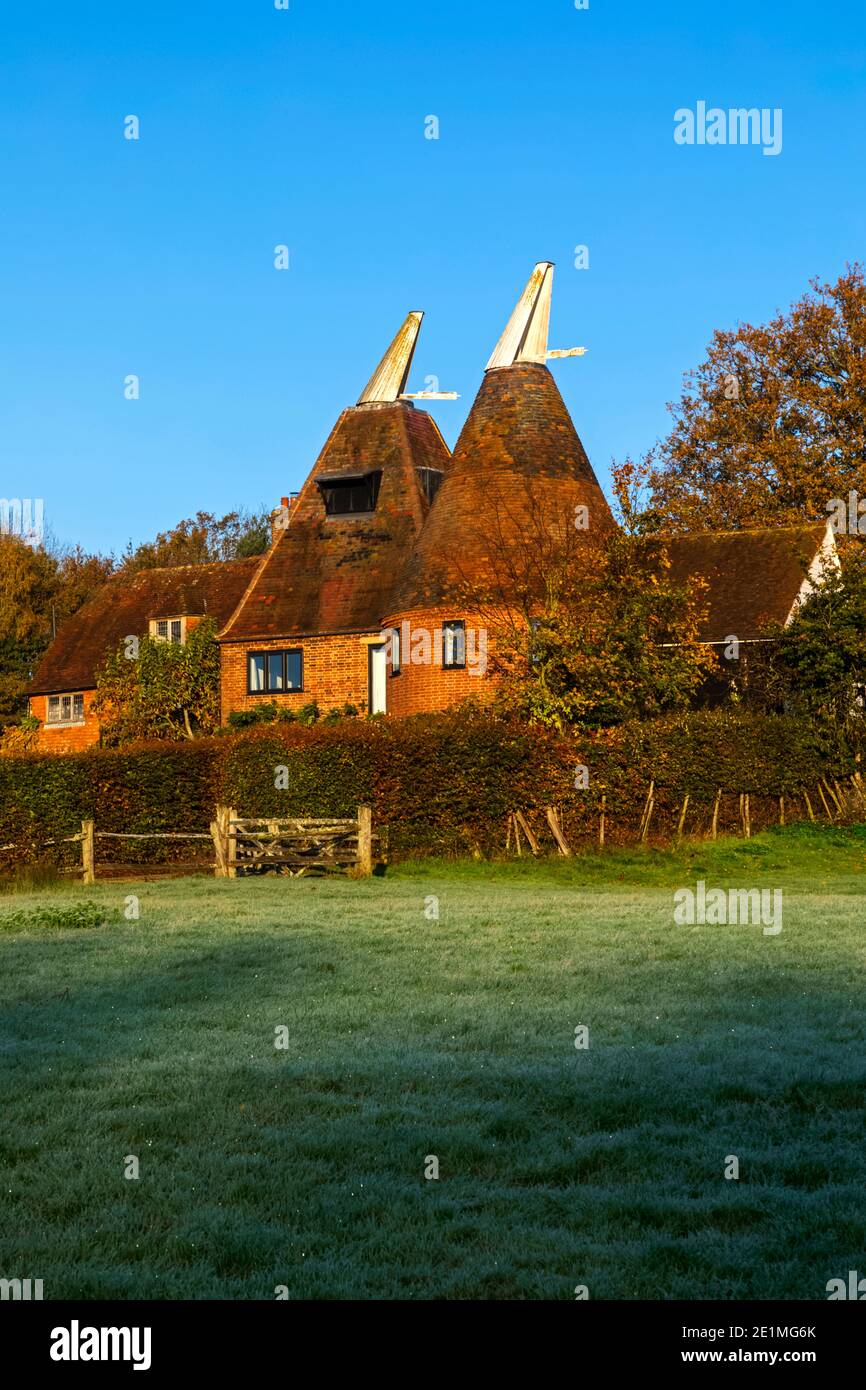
x=153 y=787
x=441 y=783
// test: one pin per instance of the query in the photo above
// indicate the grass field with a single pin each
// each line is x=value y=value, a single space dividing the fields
x=410 y=1037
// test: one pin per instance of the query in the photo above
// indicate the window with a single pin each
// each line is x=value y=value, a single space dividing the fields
x=350 y=493
x=65 y=709
x=395 y=651
x=274 y=673
x=453 y=645
x=168 y=630
x=430 y=479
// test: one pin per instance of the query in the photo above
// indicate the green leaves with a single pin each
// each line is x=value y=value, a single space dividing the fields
x=203 y=539
x=617 y=640
x=442 y=784
x=67 y=917
x=170 y=691
x=821 y=657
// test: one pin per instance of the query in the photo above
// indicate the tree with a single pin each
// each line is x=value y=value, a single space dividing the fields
x=817 y=664
x=203 y=539
x=619 y=641
x=772 y=425
x=80 y=577
x=633 y=501
x=28 y=586
x=169 y=690
x=584 y=631
x=40 y=586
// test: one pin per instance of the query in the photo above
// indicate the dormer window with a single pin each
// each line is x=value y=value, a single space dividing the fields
x=168 y=630
x=430 y=480
x=347 y=494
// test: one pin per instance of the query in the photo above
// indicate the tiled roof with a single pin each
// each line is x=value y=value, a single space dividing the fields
x=124 y=607
x=753 y=577
x=328 y=574
x=518 y=449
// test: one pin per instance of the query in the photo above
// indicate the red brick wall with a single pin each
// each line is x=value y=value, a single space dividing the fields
x=335 y=671
x=65 y=738
x=426 y=686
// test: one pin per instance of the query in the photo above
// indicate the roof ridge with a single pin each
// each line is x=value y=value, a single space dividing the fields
x=747 y=530
x=173 y=569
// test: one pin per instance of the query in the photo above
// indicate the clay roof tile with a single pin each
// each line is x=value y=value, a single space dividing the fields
x=124 y=608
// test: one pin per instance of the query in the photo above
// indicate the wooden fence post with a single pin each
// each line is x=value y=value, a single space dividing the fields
x=231 y=841
x=601 y=820
x=682 y=819
x=650 y=806
x=647 y=812
x=531 y=838
x=745 y=816
x=517 y=845
x=217 y=830
x=715 y=829
x=365 y=840
x=553 y=821
x=88 y=855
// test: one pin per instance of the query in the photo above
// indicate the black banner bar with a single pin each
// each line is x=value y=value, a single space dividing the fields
x=156 y=1338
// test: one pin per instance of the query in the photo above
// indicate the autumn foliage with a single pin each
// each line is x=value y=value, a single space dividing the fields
x=772 y=424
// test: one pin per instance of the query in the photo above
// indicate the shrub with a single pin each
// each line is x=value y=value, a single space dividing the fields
x=441 y=783
x=73 y=916
x=271 y=713
x=262 y=714
x=20 y=738
x=167 y=690
x=147 y=786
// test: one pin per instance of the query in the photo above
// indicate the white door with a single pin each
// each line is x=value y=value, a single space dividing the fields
x=378 y=682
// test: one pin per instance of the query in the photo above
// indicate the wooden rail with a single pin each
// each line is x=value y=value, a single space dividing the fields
x=254 y=844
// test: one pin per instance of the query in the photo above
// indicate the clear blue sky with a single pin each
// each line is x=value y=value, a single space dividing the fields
x=306 y=127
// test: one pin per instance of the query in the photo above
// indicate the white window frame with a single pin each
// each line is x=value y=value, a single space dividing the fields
x=168 y=636
x=72 y=718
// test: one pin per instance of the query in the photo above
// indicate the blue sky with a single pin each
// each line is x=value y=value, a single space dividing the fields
x=306 y=127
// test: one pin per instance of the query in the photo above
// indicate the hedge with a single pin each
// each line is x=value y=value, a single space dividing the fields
x=441 y=783
x=153 y=787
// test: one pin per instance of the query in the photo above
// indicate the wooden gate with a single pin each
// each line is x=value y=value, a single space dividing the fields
x=259 y=844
